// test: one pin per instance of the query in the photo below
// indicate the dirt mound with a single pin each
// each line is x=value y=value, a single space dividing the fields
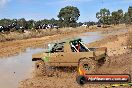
x=121 y=64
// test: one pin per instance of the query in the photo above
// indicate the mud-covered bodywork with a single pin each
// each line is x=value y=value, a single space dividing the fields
x=69 y=53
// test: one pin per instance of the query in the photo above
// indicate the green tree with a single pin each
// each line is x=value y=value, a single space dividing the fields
x=45 y=21
x=69 y=15
x=5 y=22
x=117 y=17
x=37 y=23
x=127 y=19
x=30 y=24
x=22 y=22
x=55 y=22
x=103 y=16
x=120 y=12
x=130 y=12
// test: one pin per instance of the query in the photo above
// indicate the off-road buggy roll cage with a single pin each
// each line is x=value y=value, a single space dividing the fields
x=76 y=46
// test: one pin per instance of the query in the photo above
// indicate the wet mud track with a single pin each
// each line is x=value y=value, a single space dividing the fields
x=121 y=64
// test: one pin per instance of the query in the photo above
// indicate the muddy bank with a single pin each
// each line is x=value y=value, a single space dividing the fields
x=116 y=44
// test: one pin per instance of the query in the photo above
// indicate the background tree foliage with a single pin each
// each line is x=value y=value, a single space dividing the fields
x=130 y=12
x=117 y=17
x=127 y=19
x=22 y=22
x=103 y=16
x=68 y=16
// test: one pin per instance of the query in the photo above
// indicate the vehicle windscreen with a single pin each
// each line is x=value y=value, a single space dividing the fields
x=58 y=47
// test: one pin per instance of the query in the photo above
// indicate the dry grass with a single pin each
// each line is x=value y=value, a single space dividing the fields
x=29 y=34
x=38 y=33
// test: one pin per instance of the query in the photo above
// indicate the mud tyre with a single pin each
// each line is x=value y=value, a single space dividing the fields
x=43 y=69
x=88 y=65
x=81 y=80
x=40 y=68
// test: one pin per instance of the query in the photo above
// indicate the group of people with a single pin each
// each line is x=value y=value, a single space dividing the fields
x=46 y=26
x=10 y=27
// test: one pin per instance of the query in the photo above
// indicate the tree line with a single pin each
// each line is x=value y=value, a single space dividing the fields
x=28 y=24
x=68 y=16
x=106 y=17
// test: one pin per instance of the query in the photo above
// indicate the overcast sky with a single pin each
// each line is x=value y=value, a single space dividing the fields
x=47 y=9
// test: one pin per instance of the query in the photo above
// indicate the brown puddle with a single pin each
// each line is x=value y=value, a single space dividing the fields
x=16 y=68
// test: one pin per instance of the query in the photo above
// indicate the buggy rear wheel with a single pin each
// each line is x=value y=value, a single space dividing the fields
x=88 y=66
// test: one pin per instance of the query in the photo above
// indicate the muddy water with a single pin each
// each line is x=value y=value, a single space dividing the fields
x=16 y=68
x=91 y=37
x=115 y=32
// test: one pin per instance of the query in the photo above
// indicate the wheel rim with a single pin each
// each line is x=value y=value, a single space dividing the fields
x=86 y=67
